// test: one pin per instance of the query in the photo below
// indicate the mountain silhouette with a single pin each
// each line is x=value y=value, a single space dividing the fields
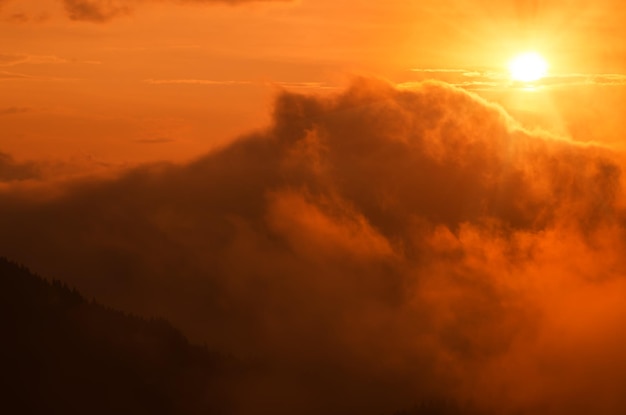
x=63 y=354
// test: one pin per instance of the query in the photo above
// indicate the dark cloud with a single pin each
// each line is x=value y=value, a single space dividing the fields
x=104 y=10
x=95 y=10
x=369 y=249
x=11 y=170
x=18 y=18
x=13 y=110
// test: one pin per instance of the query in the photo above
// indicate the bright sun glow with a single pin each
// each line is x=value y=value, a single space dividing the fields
x=528 y=67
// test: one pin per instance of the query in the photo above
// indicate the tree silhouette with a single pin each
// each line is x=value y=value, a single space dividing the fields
x=62 y=354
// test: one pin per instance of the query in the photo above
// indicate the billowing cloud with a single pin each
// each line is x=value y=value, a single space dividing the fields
x=370 y=249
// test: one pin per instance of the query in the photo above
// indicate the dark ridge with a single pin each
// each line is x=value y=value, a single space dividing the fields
x=62 y=354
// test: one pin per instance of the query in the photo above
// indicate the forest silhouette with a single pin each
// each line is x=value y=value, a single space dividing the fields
x=66 y=355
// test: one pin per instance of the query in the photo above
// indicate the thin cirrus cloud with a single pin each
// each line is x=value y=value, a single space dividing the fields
x=8 y=75
x=370 y=248
x=18 y=76
x=192 y=81
x=484 y=80
x=20 y=59
x=213 y=82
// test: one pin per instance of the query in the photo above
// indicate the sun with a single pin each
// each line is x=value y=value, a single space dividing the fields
x=528 y=67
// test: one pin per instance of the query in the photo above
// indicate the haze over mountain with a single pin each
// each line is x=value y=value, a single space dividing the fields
x=359 y=207
x=373 y=249
x=65 y=355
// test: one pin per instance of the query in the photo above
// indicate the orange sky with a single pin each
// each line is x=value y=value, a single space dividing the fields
x=397 y=221
x=128 y=81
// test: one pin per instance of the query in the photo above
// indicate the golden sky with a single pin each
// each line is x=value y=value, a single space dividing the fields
x=353 y=194
x=128 y=81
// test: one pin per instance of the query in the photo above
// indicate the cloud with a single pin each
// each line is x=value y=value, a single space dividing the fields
x=99 y=11
x=95 y=10
x=209 y=82
x=13 y=110
x=484 y=80
x=225 y=83
x=6 y=75
x=18 y=17
x=10 y=170
x=18 y=59
x=369 y=249
x=19 y=76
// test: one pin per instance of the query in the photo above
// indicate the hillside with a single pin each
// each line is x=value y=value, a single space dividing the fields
x=63 y=354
